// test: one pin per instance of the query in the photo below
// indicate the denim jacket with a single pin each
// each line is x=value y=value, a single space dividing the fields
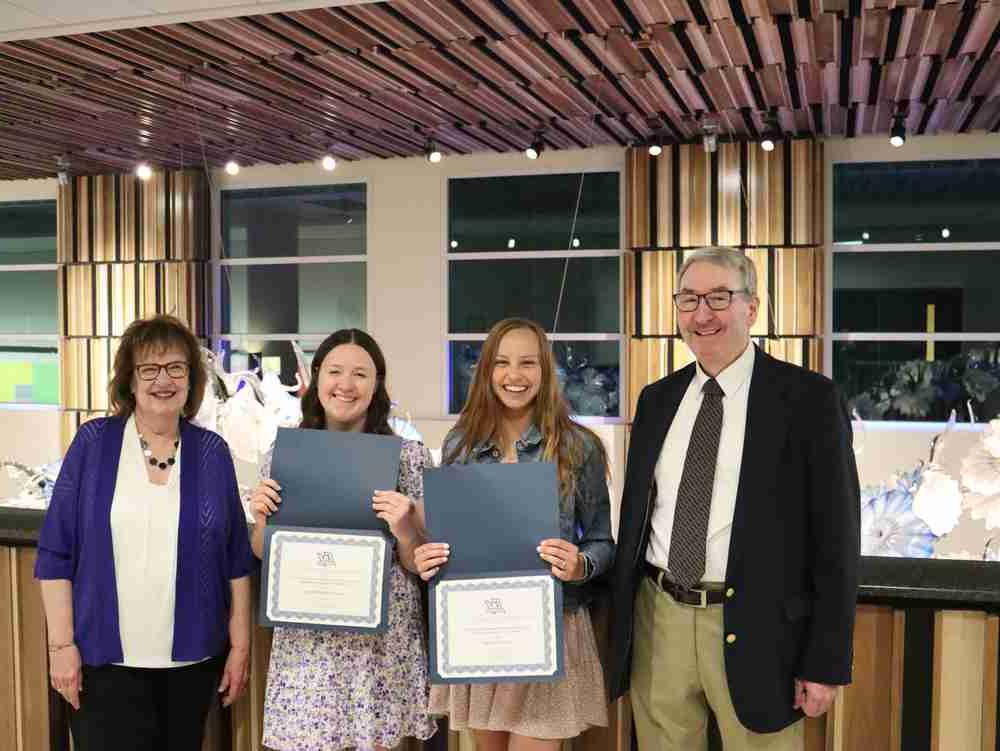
x=586 y=523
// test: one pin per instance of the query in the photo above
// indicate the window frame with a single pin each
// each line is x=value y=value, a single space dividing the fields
x=218 y=263
x=833 y=249
x=49 y=340
x=447 y=255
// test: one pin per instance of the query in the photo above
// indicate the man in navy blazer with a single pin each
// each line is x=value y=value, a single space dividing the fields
x=735 y=579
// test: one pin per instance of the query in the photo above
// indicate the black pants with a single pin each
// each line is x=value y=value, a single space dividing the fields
x=144 y=709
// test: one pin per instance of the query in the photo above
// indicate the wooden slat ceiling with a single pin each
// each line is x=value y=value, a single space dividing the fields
x=485 y=75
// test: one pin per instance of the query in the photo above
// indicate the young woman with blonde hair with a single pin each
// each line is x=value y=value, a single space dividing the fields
x=516 y=412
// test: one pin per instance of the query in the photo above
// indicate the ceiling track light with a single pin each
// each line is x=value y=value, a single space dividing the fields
x=232 y=167
x=771 y=132
x=897 y=134
x=329 y=163
x=432 y=153
x=143 y=171
x=537 y=147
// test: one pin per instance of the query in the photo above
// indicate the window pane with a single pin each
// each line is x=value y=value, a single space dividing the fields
x=897 y=381
x=904 y=202
x=28 y=302
x=588 y=373
x=313 y=298
x=27 y=232
x=29 y=375
x=892 y=291
x=324 y=221
x=480 y=293
x=537 y=212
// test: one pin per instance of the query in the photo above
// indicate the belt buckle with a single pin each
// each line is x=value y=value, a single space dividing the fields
x=702 y=598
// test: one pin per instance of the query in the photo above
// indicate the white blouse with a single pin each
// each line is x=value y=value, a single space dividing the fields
x=144 y=521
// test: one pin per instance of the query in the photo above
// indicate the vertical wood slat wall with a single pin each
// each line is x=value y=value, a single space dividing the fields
x=127 y=249
x=26 y=720
x=768 y=204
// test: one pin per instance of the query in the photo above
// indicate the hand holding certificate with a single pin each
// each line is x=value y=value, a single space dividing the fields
x=496 y=612
x=326 y=553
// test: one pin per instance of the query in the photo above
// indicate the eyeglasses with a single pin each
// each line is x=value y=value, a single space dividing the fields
x=150 y=371
x=717 y=299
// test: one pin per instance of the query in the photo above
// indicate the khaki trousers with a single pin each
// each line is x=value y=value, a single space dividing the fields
x=678 y=672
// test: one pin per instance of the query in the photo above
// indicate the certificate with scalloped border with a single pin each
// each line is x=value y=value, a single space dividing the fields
x=331 y=579
x=496 y=628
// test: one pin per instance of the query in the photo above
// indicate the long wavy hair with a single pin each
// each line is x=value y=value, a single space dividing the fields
x=377 y=417
x=563 y=441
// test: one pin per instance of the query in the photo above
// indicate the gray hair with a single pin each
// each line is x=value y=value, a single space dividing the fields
x=728 y=258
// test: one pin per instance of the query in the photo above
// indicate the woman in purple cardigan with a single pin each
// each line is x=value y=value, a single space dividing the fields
x=144 y=558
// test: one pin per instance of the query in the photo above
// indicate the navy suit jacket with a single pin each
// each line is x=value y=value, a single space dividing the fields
x=794 y=550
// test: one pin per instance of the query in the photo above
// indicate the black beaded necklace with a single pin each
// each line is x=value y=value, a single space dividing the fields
x=153 y=461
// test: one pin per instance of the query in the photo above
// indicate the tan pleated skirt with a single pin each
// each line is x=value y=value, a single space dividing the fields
x=562 y=709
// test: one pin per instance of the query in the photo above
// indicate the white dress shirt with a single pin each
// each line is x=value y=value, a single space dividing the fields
x=144 y=521
x=735 y=384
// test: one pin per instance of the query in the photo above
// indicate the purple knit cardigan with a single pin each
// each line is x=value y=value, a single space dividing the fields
x=212 y=546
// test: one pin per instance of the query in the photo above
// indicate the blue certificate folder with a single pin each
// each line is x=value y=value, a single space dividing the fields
x=328 y=477
x=317 y=553
x=492 y=515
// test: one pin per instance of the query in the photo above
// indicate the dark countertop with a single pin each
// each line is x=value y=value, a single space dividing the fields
x=20 y=526
x=906 y=581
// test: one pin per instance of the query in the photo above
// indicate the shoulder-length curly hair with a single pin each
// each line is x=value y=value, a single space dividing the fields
x=155 y=335
x=377 y=418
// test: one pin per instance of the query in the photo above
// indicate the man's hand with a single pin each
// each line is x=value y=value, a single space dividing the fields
x=813 y=698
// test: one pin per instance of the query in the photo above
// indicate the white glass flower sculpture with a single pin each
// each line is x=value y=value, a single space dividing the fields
x=889 y=526
x=938 y=501
x=981 y=475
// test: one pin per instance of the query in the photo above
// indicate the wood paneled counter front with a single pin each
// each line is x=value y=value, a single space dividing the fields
x=926 y=663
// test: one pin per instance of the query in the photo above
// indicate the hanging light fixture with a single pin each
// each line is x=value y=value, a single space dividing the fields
x=537 y=147
x=897 y=135
x=232 y=167
x=432 y=153
x=143 y=171
x=329 y=163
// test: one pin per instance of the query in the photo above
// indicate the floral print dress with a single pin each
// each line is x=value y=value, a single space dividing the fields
x=329 y=690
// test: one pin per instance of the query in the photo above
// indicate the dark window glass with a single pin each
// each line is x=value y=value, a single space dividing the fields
x=29 y=375
x=587 y=371
x=892 y=291
x=537 y=212
x=917 y=202
x=480 y=293
x=919 y=381
x=311 y=298
x=27 y=232
x=269 y=356
x=323 y=221
x=28 y=302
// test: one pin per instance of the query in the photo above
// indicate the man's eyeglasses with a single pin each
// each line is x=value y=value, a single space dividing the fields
x=717 y=299
x=149 y=371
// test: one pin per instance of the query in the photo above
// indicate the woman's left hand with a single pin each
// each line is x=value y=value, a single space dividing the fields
x=235 y=675
x=395 y=509
x=565 y=558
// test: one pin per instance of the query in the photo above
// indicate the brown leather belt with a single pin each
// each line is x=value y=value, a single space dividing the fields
x=698 y=598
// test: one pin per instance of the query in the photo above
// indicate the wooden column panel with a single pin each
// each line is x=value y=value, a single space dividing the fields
x=24 y=682
x=127 y=249
x=965 y=681
x=769 y=204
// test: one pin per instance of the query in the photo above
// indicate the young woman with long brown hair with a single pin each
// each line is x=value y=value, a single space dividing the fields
x=516 y=412
x=330 y=690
